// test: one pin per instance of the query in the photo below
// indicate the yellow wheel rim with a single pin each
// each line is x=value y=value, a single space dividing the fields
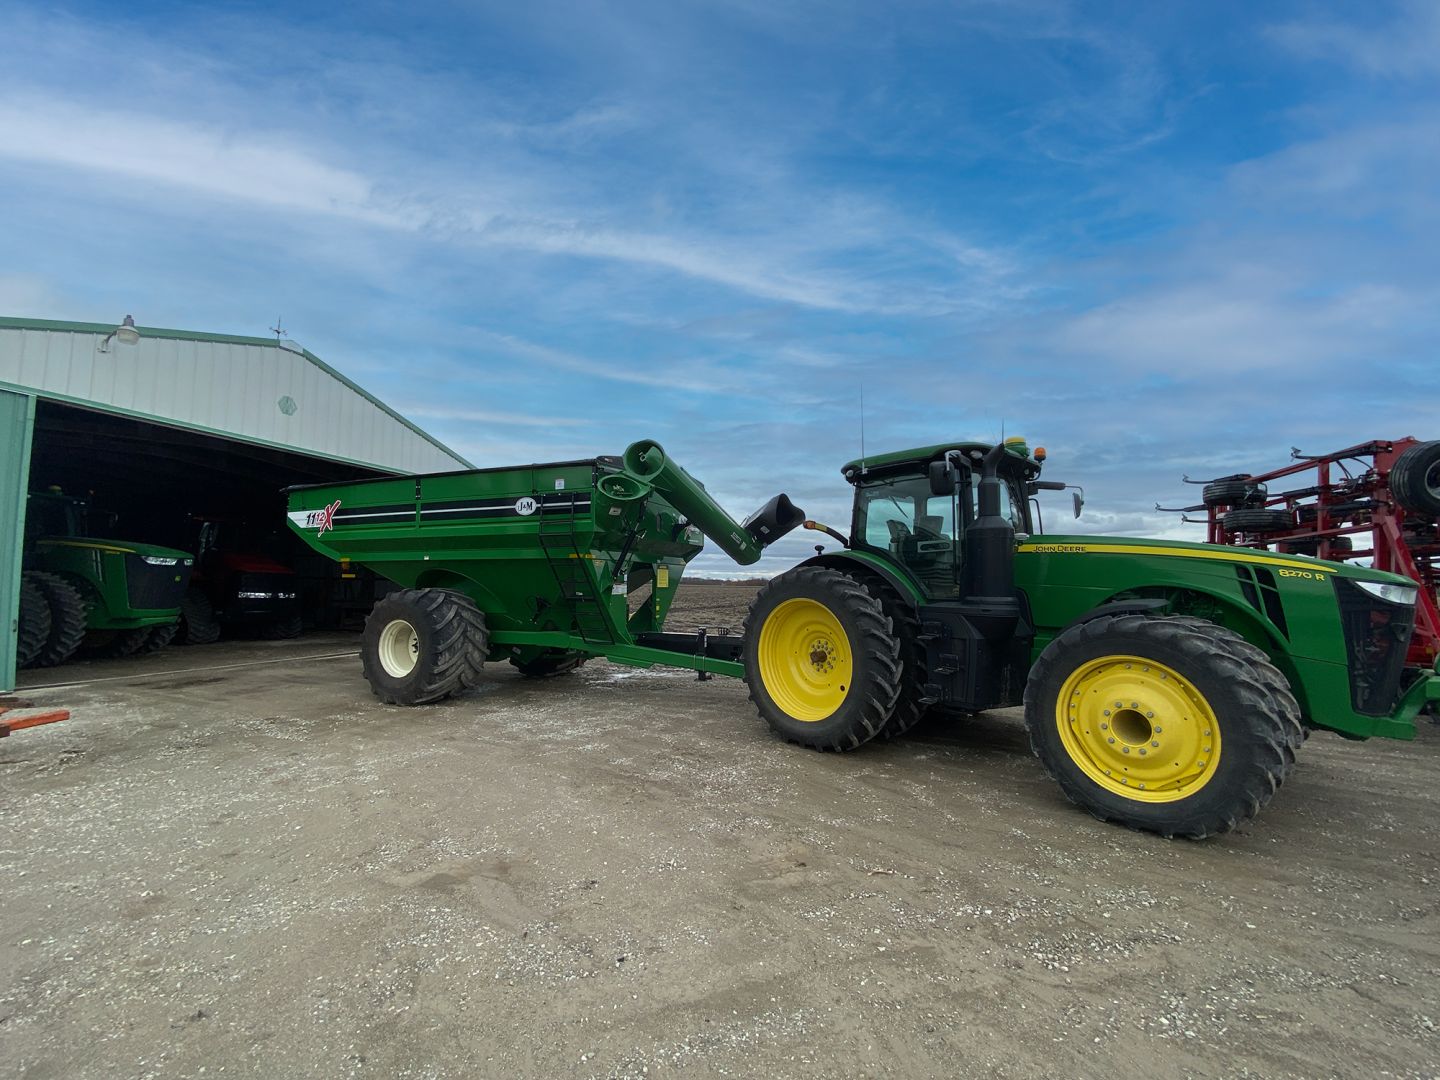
x=805 y=659
x=1138 y=729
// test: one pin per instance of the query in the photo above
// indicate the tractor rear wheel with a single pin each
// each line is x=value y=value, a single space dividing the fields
x=68 y=616
x=422 y=645
x=1415 y=478
x=821 y=661
x=1172 y=725
x=551 y=662
x=34 y=626
x=910 y=706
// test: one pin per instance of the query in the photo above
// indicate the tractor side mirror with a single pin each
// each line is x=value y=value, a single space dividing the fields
x=942 y=478
x=1078 y=498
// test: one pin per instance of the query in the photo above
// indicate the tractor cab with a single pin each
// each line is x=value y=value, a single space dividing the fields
x=916 y=507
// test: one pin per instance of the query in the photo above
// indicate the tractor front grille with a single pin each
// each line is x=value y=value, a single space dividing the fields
x=1377 y=634
x=150 y=587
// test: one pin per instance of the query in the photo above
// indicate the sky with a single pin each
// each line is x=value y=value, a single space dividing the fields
x=1157 y=239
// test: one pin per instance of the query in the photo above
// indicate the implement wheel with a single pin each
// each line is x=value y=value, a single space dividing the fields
x=422 y=645
x=1415 y=478
x=821 y=660
x=1172 y=725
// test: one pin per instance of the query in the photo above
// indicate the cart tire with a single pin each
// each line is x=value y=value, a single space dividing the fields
x=1233 y=492
x=1104 y=694
x=283 y=629
x=821 y=661
x=198 y=625
x=1254 y=520
x=1415 y=478
x=68 y=616
x=423 y=645
x=550 y=663
x=33 y=628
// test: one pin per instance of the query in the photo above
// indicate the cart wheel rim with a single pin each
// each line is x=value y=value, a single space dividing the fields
x=398 y=649
x=805 y=659
x=1138 y=728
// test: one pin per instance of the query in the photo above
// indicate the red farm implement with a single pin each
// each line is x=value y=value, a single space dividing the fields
x=1379 y=501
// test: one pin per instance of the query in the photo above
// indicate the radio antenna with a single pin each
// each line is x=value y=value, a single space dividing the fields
x=862 y=428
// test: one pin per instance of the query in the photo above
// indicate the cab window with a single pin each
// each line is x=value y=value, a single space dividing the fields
x=914 y=527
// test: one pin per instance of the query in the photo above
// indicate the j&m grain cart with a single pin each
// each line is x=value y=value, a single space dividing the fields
x=1166 y=685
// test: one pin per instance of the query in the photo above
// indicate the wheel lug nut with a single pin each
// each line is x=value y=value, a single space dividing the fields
x=1159 y=730
x=1154 y=743
x=1125 y=749
x=1107 y=712
x=1112 y=738
x=1150 y=716
x=1142 y=750
x=1134 y=704
x=1104 y=727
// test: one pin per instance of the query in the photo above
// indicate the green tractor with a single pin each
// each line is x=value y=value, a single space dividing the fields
x=1167 y=686
x=110 y=597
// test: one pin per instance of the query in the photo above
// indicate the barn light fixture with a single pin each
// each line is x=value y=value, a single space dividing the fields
x=126 y=333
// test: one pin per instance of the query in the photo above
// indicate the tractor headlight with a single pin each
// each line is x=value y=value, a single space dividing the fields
x=1394 y=594
x=156 y=560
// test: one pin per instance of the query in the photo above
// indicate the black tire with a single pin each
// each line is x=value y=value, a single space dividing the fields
x=837 y=606
x=1415 y=478
x=1258 y=521
x=1258 y=720
x=116 y=644
x=1309 y=545
x=198 y=625
x=1233 y=492
x=550 y=663
x=157 y=638
x=33 y=628
x=910 y=707
x=283 y=629
x=447 y=645
x=68 y=615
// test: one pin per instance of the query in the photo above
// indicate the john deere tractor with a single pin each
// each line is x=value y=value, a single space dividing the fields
x=1166 y=685
x=110 y=597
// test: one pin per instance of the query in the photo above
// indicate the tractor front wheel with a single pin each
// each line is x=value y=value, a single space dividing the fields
x=1172 y=725
x=821 y=659
x=422 y=645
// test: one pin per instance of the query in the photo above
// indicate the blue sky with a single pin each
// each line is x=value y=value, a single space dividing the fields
x=1155 y=238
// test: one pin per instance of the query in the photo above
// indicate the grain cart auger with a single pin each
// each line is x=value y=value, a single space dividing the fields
x=1166 y=685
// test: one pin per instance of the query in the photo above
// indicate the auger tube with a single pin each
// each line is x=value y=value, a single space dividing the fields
x=646 y=460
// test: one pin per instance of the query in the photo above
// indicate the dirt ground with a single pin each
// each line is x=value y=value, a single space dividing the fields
x=233 y=861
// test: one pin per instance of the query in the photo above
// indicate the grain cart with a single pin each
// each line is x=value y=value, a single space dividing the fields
x=1166 y=685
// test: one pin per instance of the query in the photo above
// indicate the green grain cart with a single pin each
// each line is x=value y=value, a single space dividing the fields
x=1166 y=685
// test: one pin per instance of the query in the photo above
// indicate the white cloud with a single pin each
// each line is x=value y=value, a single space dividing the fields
x=248 y=167
x=1406 y=46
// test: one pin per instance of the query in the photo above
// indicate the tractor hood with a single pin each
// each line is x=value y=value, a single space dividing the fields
x=120 y=547
x=1184 y=549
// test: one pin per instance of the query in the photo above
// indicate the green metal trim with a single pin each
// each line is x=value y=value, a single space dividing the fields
x=620 y=653
x=889 y=569
x=11 y=323
x=13 y=569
